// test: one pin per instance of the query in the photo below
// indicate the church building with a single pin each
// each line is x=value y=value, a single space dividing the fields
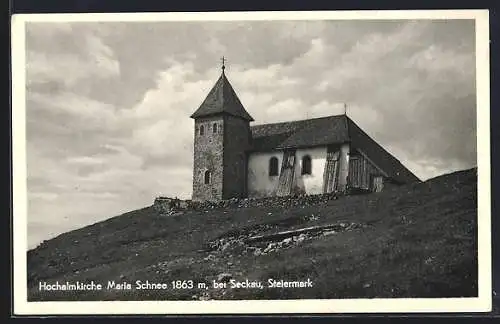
x=233 y=159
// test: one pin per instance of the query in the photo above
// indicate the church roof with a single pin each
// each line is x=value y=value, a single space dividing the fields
x=301 y=133
x=324 y=131
x=222 y=99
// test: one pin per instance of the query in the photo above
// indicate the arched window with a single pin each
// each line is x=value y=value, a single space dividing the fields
x=215 y=128
x=306 y=164
x=273 y=166
x=202 y=130
x=207 y=177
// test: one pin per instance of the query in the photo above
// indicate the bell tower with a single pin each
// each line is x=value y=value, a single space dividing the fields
x=221 y=138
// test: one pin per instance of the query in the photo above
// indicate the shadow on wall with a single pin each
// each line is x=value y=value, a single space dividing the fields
x=299 y=187
x=309 y=170
x=260 y=183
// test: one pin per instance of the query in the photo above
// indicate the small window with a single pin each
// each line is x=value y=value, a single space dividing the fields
x=215 y=128
x=207 y=177
x=306 y=164
x=202 y=130
x=273 y=166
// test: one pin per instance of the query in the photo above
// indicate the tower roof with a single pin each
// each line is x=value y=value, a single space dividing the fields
x=222 y=99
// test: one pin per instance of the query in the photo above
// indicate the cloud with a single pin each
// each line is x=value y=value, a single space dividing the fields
x=86 y=56
x=108 y=104
x=92 y=114
x=84 y=160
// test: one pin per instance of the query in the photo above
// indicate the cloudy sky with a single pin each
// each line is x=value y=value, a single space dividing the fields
x=108 y=104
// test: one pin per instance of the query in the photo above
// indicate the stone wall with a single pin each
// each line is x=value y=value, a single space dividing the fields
x=208 y=156
x=165 y=206
x=236 y=142
x=223 y=154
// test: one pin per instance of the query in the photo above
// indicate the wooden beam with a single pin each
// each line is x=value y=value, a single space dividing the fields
x=372 y=163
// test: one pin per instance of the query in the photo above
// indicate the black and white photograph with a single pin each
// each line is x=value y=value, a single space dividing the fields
x=252 y=162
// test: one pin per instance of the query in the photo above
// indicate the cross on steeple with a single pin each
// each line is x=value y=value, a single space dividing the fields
x=222 y=99
x=223 y=60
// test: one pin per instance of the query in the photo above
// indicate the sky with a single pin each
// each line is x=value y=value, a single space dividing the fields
x=108 y=103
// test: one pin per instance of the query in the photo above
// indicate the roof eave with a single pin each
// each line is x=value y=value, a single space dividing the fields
x=195 y=116
x=301 y=146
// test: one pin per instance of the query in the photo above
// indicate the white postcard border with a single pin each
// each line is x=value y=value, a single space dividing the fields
x=482 y=303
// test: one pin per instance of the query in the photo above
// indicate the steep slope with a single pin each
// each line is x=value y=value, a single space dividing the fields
x=415 y=241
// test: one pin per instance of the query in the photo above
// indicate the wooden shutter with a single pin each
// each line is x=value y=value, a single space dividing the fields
x=330 y=180
x=286 y=180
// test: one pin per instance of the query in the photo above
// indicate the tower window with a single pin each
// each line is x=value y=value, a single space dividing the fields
x=273 y=166
x=208 y=176
x=306 y=164
x=202 y=130
x=215 y=128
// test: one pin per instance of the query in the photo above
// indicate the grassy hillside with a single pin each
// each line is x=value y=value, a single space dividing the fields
x=415 y=241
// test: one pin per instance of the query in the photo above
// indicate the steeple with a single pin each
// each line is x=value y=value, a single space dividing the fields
x=222 y=99
x=222 y=137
